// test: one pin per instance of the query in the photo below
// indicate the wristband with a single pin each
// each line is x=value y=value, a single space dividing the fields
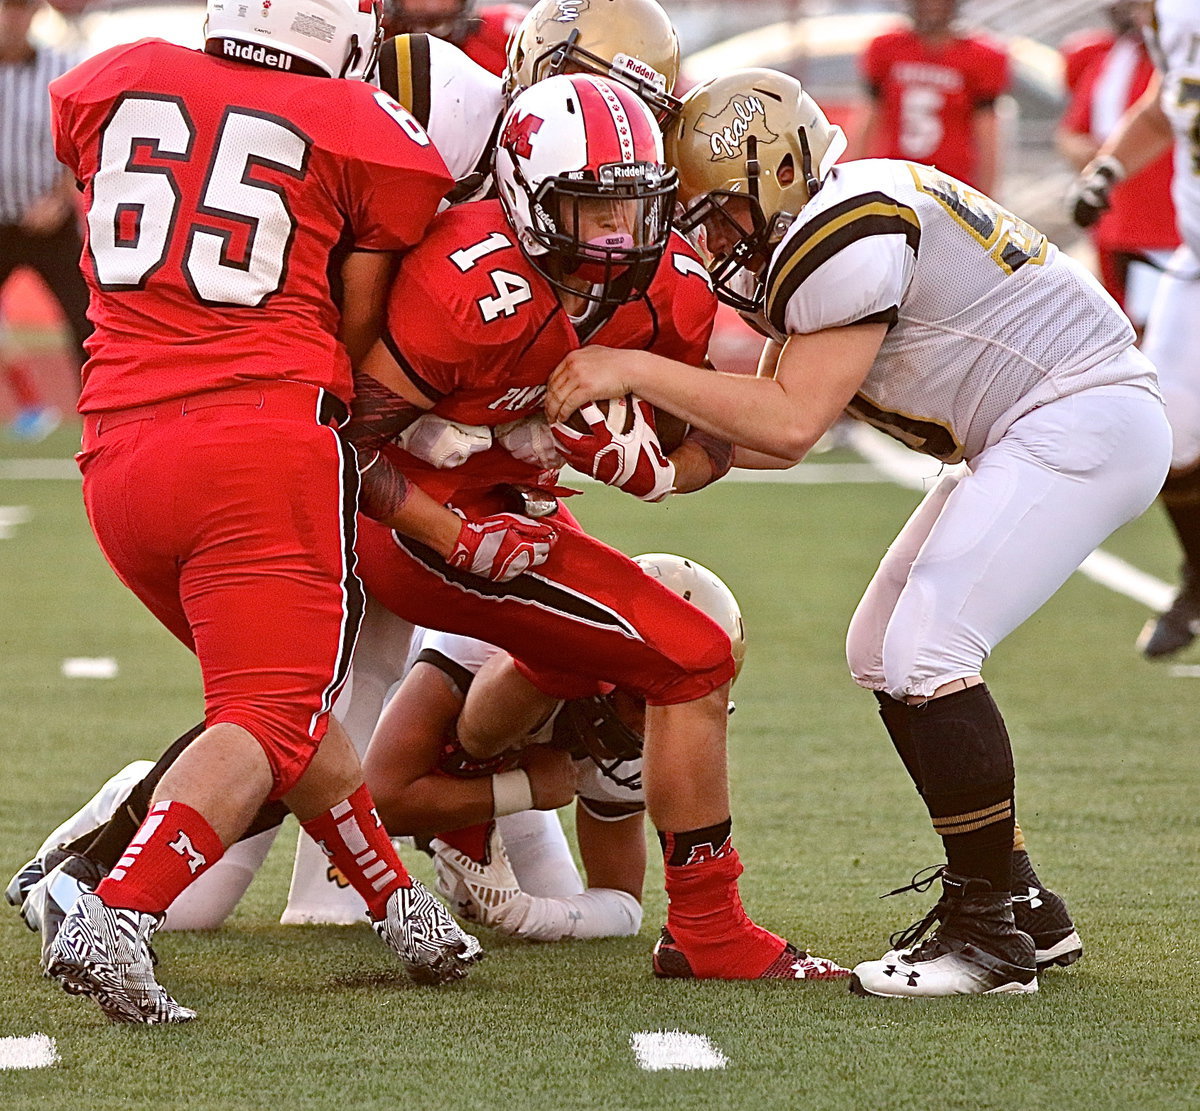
x=511 y=793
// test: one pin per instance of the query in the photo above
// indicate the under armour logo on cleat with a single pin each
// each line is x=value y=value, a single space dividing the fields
x=912 y=976
x=1031 y=898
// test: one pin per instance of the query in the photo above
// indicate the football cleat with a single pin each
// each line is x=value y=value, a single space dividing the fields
x=670 y=963
x=1174 y=630
x=477 y=890
x=1044 y=916
x=19 y=886
x=103 y=952
x=51 y=898
x=976 y=950
x=420 y=931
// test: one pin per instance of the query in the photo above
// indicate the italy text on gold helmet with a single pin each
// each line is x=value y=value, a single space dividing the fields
x=751 y=148
x=631 y=41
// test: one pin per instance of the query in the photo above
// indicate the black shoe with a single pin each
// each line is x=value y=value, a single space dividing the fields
x=1044 y=916
x=1174 y=630
x=19 y=886
x=69 y=875
x=976 y=949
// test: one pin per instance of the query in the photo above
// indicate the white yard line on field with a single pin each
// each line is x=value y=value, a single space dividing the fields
x=673 y=1049
x=89 y=667
x=10 y=517
x=34 y=1052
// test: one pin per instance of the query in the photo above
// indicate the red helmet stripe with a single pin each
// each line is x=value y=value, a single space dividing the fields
x=616 y=131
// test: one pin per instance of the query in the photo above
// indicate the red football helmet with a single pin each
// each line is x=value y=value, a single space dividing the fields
x=580 y=173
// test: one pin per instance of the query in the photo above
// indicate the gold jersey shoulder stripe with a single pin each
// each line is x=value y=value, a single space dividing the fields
x=823 y=236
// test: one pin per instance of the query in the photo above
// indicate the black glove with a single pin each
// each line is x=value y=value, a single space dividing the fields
x=1088 y=197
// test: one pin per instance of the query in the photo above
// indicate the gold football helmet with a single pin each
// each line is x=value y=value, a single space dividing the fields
x=751 y=147
x=631 y=41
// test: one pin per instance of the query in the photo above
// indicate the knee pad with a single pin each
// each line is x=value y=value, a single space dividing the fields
x=965 y=758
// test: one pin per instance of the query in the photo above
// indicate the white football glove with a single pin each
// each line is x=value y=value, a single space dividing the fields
x=531 y=441
x=444 y=443
x=632 y=460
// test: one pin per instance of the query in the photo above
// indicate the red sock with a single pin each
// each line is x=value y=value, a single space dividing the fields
x=470 y=840
x=706 y=917
x=172 y=847
x=353 y=838
x=19 y=376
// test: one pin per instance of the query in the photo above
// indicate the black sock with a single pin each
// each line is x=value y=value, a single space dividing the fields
x=106 y=845
x=967 y=777
x=695 y=845
x=896 y=718
x=1181 y=499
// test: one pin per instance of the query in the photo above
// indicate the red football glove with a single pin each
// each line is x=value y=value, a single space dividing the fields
x=630 y=459
x=502 y=546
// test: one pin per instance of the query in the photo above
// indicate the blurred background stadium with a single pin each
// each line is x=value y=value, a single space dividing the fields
x=818 y=41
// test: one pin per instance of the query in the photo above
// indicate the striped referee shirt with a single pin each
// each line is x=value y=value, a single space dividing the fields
x=28 y=167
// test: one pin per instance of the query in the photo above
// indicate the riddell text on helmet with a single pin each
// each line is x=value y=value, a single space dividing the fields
x=259 y=54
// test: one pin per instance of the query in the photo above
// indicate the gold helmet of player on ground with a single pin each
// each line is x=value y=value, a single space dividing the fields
x=751 y=148
x=631 y=41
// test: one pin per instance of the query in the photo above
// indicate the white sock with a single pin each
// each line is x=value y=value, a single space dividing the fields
x=539 y=853
x=596 y=912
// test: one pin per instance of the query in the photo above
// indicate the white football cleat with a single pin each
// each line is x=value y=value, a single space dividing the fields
x=477 y=890
x=977 y=949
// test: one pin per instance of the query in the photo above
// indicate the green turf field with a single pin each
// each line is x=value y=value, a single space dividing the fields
x=317 y=1017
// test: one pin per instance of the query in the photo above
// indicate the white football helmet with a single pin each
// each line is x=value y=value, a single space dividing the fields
x=331 y=38
x=580 y=173
x=695 y=583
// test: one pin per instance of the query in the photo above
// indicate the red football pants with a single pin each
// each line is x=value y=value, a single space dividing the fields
x=231 y=515
x=588 y=613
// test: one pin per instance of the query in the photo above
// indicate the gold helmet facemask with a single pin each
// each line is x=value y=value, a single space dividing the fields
x=630 y=41
x=752 y=148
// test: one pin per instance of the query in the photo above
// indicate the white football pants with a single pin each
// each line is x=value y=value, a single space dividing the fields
x=983 y=551
x=1170 y=344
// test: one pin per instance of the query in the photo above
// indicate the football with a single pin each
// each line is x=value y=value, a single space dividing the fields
x=669 y=428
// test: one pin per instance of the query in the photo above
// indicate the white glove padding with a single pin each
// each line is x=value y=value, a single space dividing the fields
x=630 y=458
x=531 y=441
x=444 y=443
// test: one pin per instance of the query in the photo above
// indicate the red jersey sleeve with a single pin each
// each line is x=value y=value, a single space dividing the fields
x=1077 y=119
x=989 y=76
x=875 y=61
x=686 y=304
x=394 y=178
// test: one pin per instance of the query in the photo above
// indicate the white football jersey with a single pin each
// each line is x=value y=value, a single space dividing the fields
x=608 y=794
x=1175 y=39
x=986 y=318
x=456 y=101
